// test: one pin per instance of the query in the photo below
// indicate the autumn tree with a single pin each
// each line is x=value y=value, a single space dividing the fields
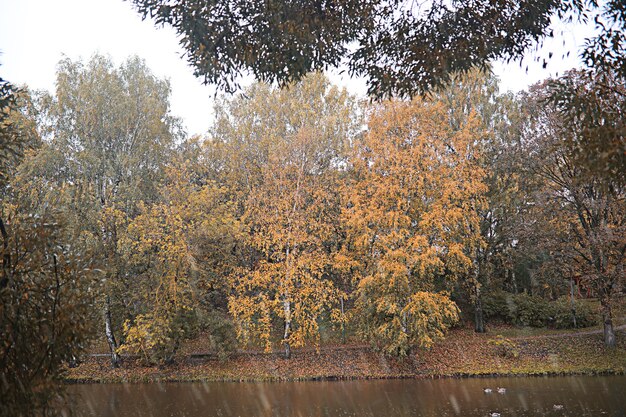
x=176 y=249
x=585 y=205
x=289 y=220
x=156 y=251
x=18 y=135
x=411 y=214
x=108 y=135
x=293 y=141
x=501 y=258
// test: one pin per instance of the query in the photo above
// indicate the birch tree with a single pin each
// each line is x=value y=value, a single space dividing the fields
x=411 y=214
x=294 y=141
x=108 y=133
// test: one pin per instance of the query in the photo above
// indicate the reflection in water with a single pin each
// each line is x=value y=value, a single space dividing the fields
x=577 y=396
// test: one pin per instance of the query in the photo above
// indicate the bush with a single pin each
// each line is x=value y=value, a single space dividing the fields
x=529 y=310
x=148 y=336
x=497 y=305
x=505 y=348
x=586 y=316
x=157 y=337
x=533 y=311
x=47 y=314
x=221 y=333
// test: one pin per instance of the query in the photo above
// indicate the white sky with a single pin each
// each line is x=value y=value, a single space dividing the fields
x=36 y=34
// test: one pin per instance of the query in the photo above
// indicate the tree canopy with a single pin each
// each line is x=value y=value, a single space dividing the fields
x=402 y=47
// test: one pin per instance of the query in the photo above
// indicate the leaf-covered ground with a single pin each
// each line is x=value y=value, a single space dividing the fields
x=462 y=353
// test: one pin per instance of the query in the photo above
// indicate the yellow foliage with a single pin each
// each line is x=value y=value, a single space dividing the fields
x=410 y=211
x=148 y=335
x=168 y=244
x=289 y=220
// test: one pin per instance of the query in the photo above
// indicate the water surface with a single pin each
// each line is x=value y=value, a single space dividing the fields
x=578 y=396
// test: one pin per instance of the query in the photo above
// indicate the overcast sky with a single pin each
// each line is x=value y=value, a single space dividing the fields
x=36 y=34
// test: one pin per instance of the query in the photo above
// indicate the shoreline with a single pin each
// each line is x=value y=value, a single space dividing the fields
x=609 y=372
x=463 y=354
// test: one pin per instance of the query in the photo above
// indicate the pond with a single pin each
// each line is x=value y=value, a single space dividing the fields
x=534 y=396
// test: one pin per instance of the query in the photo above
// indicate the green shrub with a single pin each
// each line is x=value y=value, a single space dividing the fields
x=496 y=305
x=586 y=316
x=528 y=310
x=534 y=311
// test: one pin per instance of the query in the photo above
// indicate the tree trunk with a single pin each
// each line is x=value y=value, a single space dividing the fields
x=607 y=317
x=6 y=258
x=343 y=325
x=514 y=281
x=287 y=307
x=571 y=296
x=479 y=320
x=169 y=359
x=115 y=359
x=73 y=362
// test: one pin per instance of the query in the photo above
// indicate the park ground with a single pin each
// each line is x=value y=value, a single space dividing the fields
x=504 y=350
